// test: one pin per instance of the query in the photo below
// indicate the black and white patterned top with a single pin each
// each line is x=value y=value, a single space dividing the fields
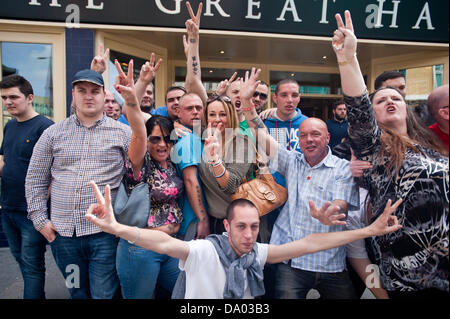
x=415 y=257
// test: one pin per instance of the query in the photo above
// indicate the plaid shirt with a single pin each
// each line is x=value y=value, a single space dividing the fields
x=67 y=156
x=329 y=180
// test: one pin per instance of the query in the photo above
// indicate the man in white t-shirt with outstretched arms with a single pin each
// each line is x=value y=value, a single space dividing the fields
x=203 y=260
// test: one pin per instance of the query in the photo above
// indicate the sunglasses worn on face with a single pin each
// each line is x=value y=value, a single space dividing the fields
x=157 y=139
x=215 y=97
x=262 y=96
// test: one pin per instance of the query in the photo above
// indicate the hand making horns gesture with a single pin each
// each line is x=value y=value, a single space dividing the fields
x=344 y=39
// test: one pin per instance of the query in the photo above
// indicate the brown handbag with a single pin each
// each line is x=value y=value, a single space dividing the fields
x=263 y=191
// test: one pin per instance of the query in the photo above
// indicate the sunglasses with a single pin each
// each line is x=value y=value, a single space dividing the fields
x=215 y=97
x=157 y=139
x=262 y=96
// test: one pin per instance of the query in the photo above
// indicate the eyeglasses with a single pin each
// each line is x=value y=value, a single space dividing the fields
x=262 y=96
x=215 y=97
x=154 y=139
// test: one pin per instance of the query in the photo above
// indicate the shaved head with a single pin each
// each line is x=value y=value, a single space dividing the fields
x=314 y=139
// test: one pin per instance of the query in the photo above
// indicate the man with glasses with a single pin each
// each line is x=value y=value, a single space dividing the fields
x=438 y=109
x=260 y=97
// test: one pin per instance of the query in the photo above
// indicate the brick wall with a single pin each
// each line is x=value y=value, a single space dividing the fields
x=79 y=54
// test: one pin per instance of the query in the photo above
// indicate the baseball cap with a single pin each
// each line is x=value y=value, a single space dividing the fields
x=88 y=76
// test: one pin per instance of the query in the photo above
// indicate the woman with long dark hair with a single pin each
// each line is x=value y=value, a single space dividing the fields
x=407 y=163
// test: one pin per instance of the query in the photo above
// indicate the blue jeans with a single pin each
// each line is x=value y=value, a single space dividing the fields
x=88 y=264
x=140 y=269
x=293 y=283
x=27 y=246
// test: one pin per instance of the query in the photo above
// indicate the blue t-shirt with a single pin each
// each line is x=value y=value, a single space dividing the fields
x=187 y=152
x=123 y=119
x=161 y=111
x=337 y=130
x=19 y=139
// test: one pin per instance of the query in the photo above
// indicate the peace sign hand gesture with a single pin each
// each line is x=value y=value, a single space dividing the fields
x=223 y=85
x=125 y=83
x=98 y=64
x=101 y=213
x=344 y=39
x=192 y=26
x=212 y=143
x=149 y=69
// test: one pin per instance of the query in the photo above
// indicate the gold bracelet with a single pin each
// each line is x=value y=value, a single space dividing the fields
x=348 y=61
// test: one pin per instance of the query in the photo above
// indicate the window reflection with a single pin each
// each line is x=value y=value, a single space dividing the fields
x=33 y=61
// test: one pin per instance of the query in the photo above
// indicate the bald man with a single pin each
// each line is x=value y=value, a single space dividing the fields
x=438 y=109
x=319 y=184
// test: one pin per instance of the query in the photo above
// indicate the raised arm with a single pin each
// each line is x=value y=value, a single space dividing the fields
x=364 y=132
x=138 y=145
x=313 y=243
x=191 y=46
x=266 y=143
x=148 y=73
x=102 y=215
x=344 y=45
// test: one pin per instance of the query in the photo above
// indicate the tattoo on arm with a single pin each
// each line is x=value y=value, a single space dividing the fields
x=131 y=104
x=195 y=65
x=192 y=40
x=258 y=122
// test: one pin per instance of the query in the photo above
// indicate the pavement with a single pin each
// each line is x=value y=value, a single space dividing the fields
x=11 y=283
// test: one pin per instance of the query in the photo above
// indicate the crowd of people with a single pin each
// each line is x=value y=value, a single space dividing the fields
x=366 y=189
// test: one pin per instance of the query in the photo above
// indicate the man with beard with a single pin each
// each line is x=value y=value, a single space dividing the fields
x=337 y=125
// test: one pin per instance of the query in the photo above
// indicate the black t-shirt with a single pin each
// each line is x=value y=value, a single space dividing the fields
x=19 y=139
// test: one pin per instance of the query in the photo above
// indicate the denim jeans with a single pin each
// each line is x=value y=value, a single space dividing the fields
x=88 y=264
x=292 y=283
x=27 y=246
x=140 y=269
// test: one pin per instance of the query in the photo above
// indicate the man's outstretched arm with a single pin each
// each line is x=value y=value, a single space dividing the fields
x=102 y=215
x=313 y=243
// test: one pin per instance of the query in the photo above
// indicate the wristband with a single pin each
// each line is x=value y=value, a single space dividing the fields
x=138 y=232
x=221 y=174
x=246 y=109
x=217 y=163
x=348 y=61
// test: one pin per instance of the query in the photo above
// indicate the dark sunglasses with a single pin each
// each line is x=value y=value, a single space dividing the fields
x=215 y=97
x=157 y=139
x=262 y=96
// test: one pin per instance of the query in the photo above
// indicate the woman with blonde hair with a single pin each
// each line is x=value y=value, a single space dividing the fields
x=226 y=160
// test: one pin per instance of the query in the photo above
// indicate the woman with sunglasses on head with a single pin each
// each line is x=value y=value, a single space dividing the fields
x=226 y=161
x=148 y=161
x=407 y=163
